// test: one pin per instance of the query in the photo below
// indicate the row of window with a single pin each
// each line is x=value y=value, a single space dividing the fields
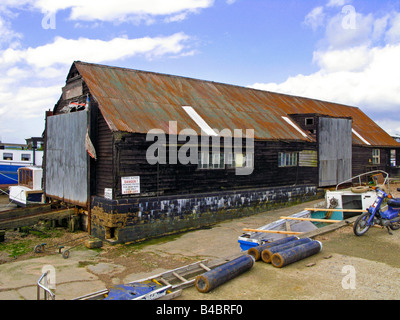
x=10 y=156
x=290 y=159
x=217 y=160
x=234 y=160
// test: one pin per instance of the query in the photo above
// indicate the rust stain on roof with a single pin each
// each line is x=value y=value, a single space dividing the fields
x=138 y=101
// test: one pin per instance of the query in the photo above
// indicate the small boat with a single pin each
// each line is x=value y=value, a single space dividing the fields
x=29 y=189
x=355 y=193
x=350 y=198
x=276 y=230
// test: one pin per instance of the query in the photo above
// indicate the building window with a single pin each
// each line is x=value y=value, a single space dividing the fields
x=211 y=160
x=25 y=157
x=393 y=158
x=218 y=160
x=25 y=178
x=239 y=160
x=7 y=156
x=204 y=160
x=376 y=156
x=309 y=121
x=287 y=159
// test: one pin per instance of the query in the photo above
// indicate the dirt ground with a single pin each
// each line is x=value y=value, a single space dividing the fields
x=348 y=267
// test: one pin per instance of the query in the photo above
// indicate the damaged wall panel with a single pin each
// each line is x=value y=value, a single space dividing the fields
x=66 y=158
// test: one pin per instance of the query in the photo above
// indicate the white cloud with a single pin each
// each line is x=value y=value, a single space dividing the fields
x=119 y=10
x=7 y=35
x=65 y=51
x=337 y=3
x=338 y=36
x=355 y=67
x=34 y=76
x=315 y=18
x=368 y=83
x=393 y=34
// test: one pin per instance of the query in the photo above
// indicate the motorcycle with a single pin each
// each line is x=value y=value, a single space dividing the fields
x=375 y=216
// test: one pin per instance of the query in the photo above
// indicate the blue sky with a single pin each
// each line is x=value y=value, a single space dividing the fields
x=345 y=51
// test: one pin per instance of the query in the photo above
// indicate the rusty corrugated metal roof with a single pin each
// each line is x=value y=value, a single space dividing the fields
x=138 y=101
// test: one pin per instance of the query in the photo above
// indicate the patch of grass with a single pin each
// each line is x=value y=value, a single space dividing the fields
x=15 y=249
x=23 y=242
x=42 y=233
x=82 y=264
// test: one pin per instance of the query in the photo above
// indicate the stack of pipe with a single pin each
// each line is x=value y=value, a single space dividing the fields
x=285 y=251
x=257 y=251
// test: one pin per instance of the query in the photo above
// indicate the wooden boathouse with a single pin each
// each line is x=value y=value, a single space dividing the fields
x=99 y=134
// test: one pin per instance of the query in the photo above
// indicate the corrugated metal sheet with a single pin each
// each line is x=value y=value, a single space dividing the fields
x=335 y=151
x=138 y=101
x=66 y=158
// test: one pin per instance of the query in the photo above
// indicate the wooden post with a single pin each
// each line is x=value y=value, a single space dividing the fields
x=272 y=231
x=335 y=210
x=311 y=219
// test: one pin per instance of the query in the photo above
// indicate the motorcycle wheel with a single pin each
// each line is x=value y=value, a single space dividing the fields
x=395 y=226
x=361 y=225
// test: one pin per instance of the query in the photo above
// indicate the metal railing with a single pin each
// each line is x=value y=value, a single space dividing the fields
x=386 y=181
x=48 y=294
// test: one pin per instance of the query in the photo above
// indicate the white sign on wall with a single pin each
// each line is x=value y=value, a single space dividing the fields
x=130 y=185
x=108 y=193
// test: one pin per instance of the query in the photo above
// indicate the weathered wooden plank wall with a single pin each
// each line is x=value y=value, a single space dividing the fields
x=129 y=159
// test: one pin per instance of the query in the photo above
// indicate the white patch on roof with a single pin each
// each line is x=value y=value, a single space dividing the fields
x=199 y=121
x=295 y=126
x=361 y=138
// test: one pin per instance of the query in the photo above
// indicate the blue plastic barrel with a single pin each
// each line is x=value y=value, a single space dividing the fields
x=283 y=258
x=256 y=251
x=267 y=254
x=214 y=278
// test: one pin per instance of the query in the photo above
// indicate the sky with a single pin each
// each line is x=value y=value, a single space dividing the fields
x=344 y=51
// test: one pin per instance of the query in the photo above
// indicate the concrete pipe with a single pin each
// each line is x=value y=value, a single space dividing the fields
x=283 y=258
x=256 y=251
x=214 y=278
x=267 y=254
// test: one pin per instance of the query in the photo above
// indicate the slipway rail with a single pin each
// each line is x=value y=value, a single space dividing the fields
x=23 y=217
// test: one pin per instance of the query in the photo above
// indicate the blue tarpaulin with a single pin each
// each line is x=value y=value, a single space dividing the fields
x=131 y=291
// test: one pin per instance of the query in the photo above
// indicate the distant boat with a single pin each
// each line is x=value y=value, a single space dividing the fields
x=12 y=159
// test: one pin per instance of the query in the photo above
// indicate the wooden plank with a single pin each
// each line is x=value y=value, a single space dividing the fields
x=335 y=210
x=311 y=219
x=272 y=231
x=204 y=267
x=179 y=277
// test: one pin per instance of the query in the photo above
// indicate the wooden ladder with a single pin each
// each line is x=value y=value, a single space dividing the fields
x=179 y=278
